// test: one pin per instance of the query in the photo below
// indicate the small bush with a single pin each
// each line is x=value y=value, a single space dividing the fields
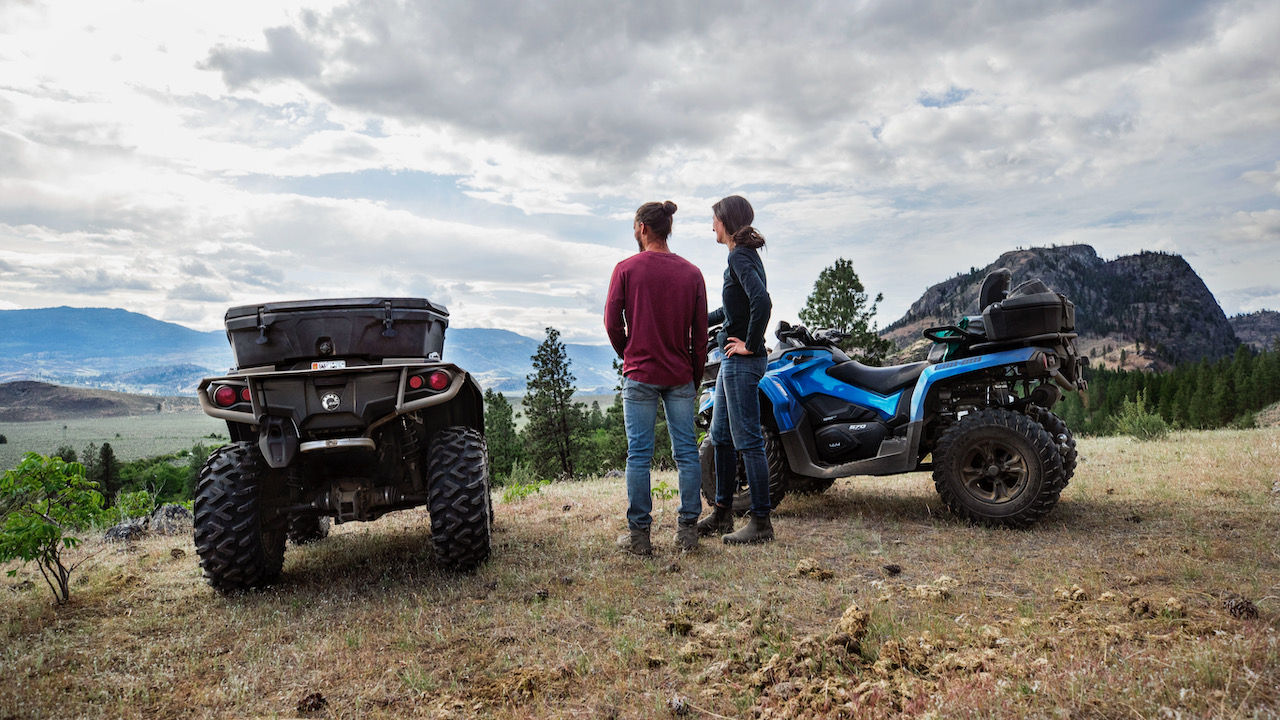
x=521 y=483
x=663 y=491
x=1140 y=423
x=44 y=500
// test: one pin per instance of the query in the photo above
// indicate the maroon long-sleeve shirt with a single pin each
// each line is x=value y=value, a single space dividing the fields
x=656 y=317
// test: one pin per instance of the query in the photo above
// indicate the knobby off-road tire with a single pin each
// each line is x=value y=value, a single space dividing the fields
x=458 y=498
x=306 y=529
x=239 y=547
x=997 y=467
x=805 y=485
x=779 y=474
x=1062 y=437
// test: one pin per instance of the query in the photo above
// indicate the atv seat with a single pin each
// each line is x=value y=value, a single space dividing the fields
x=882 y=380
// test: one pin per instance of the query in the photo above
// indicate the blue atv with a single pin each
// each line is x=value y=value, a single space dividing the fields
x=977 y=412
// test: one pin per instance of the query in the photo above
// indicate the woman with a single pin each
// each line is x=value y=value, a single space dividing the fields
x=735 y=422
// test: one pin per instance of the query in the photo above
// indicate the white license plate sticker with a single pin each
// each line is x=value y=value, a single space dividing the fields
x=328 y=364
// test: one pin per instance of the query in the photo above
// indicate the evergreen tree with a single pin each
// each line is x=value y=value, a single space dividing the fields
x=595 y=418
x=107 y=473
x=66 y=453
x=500 y=434
x=552 y=437
x=90 y=463
x=839 y=300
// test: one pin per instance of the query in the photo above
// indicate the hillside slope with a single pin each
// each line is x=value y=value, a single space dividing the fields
x=27 y=401
x=1259 y=330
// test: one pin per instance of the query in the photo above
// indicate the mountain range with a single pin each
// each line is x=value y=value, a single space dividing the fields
x=129 y=352
x=1145 y=311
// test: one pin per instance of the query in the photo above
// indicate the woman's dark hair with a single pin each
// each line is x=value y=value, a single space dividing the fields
x=657 y=216
x=735 y=214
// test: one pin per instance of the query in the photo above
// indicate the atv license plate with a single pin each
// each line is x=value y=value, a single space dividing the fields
x=328 y=364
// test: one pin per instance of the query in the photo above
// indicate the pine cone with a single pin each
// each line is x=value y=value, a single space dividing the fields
x=1240 y=607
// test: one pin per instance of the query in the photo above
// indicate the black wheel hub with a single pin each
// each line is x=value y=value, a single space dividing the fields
x=994 y=472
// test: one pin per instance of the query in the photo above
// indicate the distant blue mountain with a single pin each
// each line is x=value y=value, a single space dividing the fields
x=130 y=352
x=103 y=333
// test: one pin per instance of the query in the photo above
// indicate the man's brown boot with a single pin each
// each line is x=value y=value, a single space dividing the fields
x=719 y=522
x=636 y=542
x=757 y=530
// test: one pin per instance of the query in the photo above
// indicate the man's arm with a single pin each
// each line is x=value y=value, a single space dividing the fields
x=699 y=347
x=615 y=323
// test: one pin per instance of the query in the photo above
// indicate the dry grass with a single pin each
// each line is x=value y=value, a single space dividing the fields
x=1072 y=618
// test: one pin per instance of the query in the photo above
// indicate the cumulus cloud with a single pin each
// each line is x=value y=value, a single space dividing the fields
x=247 y=151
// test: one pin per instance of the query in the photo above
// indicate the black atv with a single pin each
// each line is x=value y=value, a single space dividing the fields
x=338 y=409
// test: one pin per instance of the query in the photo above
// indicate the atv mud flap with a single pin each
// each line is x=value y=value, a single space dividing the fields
x=278 y=441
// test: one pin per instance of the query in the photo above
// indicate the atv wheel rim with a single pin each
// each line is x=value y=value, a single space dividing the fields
x=994 y=472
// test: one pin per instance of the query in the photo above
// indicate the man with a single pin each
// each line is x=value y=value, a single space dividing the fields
x=656 y=317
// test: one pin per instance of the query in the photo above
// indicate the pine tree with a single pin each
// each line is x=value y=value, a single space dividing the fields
x=552 y=437
x=839 y=300
x=500 y=434
x=107 y=471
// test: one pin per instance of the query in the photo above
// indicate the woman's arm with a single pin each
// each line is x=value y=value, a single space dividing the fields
x=761 y=305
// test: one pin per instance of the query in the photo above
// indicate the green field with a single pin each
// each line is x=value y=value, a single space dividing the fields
x=131 y=437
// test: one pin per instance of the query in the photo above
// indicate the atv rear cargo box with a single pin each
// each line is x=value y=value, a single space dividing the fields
x=1038 y=313
x=365 y=328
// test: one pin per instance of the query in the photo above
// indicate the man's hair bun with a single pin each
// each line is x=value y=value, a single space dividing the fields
x=669 y=207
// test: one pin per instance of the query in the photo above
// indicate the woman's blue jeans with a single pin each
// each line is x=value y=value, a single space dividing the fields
x=735 y=429
x=640 y=413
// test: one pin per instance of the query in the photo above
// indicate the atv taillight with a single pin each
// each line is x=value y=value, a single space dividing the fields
x=244 y=394
x=438 y=380
x=224 y=396
x=416 y=382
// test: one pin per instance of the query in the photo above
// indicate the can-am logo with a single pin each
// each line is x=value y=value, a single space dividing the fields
x=330 y=401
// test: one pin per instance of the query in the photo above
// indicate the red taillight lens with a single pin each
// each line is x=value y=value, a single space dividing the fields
x=244 y=394
x=438 y=380
x=415 y=382
x=224 y=396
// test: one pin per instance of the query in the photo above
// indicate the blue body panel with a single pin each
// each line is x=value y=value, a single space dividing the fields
x=952 y=368
x=806 y=370
x=802 y=373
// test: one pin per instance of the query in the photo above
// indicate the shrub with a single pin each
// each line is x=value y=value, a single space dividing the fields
x=43 y=500
x=1137 y=421
x=522 y=483
x=135 y=504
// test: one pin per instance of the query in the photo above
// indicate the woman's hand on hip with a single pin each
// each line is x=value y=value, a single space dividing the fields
x=734 y=346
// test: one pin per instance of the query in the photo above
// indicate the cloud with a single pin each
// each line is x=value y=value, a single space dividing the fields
x=489 y=154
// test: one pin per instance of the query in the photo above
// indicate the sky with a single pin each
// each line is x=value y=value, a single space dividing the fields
x=176 y=158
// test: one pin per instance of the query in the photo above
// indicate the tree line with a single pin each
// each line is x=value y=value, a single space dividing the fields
x=170 y=477
x=1203 y=395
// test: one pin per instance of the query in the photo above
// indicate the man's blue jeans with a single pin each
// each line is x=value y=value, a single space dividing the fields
x=735 y=429
x=640 y=412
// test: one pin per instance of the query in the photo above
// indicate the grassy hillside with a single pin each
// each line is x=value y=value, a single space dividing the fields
x=131 y=438
x=1111 y=607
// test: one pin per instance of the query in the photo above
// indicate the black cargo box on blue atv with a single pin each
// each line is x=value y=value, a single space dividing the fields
x=371 y=328
x=1030 y=309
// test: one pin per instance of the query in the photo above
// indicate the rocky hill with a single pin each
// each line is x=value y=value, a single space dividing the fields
x=1148 y=311
x=27 y=401
x=1259 y=330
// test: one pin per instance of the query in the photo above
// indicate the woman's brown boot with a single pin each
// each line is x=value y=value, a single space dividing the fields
x=719 y=522
x=757 y=530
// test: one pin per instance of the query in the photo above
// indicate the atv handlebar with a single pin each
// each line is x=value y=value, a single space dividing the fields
x=801 y=336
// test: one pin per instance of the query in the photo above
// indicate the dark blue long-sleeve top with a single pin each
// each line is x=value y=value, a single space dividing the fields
x=746 y=303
